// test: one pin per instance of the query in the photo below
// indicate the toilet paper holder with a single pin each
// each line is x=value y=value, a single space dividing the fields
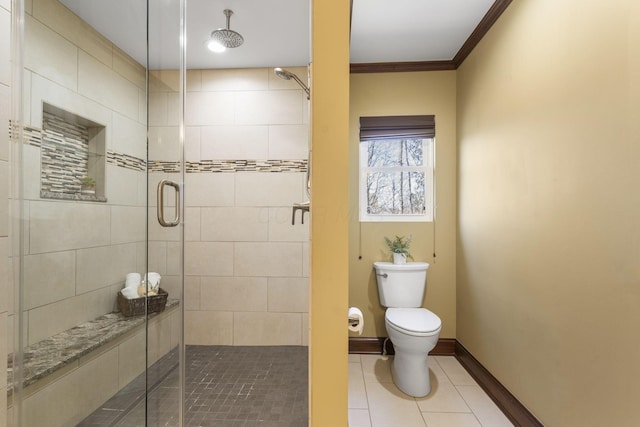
x=354 y=321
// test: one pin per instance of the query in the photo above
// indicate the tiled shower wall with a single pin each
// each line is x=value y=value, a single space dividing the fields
x=5 y=282
x=246 y=150
x=77 y=253
x=253 y=287
x=247 y=275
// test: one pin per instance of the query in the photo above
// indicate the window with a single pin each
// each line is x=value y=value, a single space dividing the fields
x=396 y=170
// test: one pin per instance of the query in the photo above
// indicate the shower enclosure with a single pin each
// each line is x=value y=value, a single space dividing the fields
x=133 y=158
x=87 y=210
x=88 y=207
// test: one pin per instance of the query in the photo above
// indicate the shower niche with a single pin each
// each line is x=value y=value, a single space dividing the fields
x=73 y=157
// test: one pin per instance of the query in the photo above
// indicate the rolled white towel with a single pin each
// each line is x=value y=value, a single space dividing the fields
x=130 y=292
x=153 y=279
x=131 y=284
x=133 y=280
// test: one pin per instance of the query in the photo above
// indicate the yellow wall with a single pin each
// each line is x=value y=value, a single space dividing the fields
x=329 y=199
x=406 y=94
x=548 y=259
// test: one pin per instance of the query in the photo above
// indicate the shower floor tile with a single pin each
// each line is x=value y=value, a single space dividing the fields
x=224 y=387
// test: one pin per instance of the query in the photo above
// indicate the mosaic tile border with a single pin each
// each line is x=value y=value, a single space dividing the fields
x=247 y=166
x=125 y=161
x=163 y=166
x=230 y=166
x=33 y=136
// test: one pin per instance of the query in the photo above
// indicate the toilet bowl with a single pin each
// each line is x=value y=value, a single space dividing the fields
x=413 y=330
x=414 y=333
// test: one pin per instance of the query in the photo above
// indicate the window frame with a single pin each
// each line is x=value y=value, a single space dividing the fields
x=428 y=168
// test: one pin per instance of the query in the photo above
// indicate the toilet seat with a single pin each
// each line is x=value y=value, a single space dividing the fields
x=413 y=321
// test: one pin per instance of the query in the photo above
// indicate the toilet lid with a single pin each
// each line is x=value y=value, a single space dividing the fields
x=419 y=320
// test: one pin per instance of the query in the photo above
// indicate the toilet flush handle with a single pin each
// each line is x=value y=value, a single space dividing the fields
x=385 y=275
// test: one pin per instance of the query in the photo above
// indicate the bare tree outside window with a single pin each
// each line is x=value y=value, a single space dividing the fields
x=396 y=177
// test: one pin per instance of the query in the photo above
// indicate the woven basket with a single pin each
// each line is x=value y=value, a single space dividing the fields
x=136 y=306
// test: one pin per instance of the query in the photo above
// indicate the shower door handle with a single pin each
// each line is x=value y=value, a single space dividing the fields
x=161 y=219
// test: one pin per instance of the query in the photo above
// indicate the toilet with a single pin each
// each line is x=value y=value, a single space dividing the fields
x=413 y=330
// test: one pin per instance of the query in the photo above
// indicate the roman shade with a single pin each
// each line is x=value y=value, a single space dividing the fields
x=397 y=127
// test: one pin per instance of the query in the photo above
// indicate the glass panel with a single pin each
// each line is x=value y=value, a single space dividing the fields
x=94 y=248
x=97 y=257
x=165 y=243
x=392 y=193
x=390 y=153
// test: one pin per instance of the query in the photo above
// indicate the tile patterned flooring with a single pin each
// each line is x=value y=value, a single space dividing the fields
x=267 y=387
x=247 y=386
x=224 y=387
x=456 y=400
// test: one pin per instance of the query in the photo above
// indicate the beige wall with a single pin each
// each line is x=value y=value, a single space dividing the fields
x=246 y=266
x=406 y=94
x=78 y=253
x=548 y=251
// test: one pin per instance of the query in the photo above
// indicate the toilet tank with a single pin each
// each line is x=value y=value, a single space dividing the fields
x=401 y=285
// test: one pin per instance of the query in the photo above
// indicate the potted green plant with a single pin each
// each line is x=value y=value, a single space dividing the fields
x=399 y=248
x=87 y=186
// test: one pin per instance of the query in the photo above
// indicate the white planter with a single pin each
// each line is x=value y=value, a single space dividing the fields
x=399 y=258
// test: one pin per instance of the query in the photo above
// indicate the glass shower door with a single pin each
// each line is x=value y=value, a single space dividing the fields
x=101 y=127
x=165 y=171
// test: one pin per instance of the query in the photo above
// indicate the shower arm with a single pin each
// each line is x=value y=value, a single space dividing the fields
x=301 y=84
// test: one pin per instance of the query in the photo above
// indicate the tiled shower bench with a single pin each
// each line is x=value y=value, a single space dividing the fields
x=69 y=375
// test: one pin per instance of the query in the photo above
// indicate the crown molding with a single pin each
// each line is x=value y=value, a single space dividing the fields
x=483 y=27
x=492 y=15
x=396 y=67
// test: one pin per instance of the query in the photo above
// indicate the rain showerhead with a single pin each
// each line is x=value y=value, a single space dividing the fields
x=224 y=38
x=288 y=75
